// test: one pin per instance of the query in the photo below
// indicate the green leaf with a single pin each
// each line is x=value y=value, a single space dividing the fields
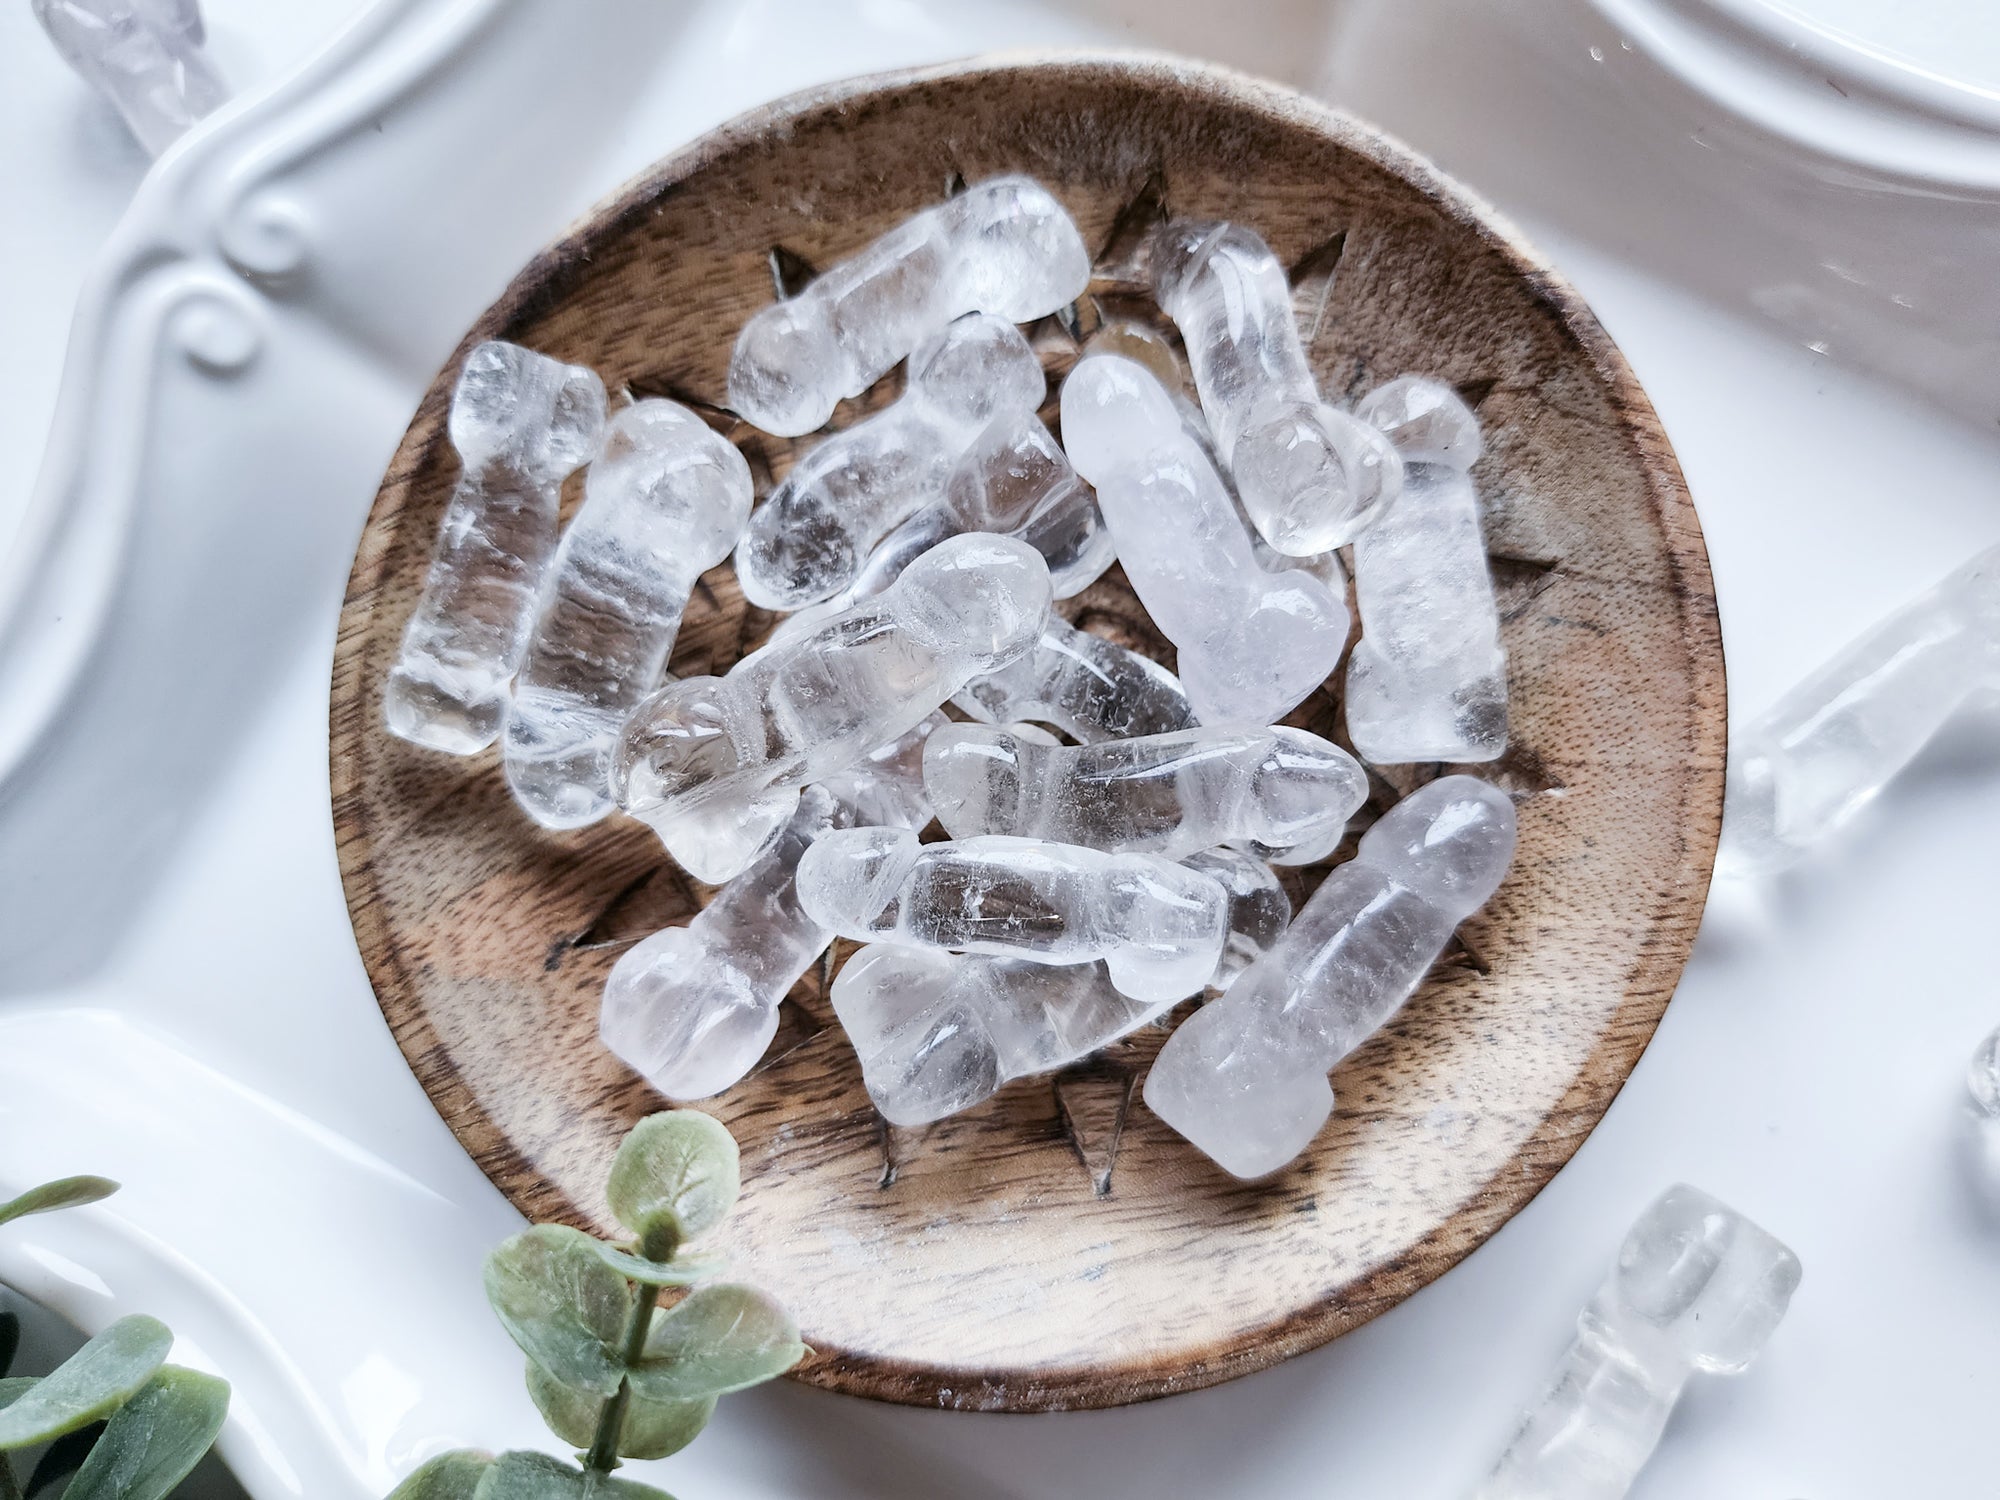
x=679 y=1167
x=536 y=1476
x=562 y=1305
x=659 y=1272
x=153 y=1440
x=89 y=1384
x=64 y=1192
x=14 y=1387
x=652 y=1429
x=10 y=1340
x=449 y=1476
x=63 y=1458
x=717 y=1339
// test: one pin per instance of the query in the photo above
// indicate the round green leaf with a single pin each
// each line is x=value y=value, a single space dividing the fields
x=64 y=1192
x=536 y=1476
x=680 y=1163
x=659 y=1272
x=449 y=1476
x=89 y=1384
x=652 y=1429
x=153 y=1440
x=718 y=1339
x=565 y=1307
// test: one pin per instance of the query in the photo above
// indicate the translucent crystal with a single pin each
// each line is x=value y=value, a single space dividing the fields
x=522 y=423
x=708 y=750
x=1311 y=476
x=1252 y=644
x=1982 y=1078
x=1427 y=680
x=1805 y=768
x=1697 y=1287
x=1004 y=247
x=664 y=501
x=145 y=56
x=809 y=538
x=1425 y=420
x=1244 y=1078
x=1158 y=926
x=1169 y=794
x=1090 y=688
x=1259 y=909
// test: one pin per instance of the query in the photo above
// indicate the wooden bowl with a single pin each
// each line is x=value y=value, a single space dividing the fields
x=1059 y=1247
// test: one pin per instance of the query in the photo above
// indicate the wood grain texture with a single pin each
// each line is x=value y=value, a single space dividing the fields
x=1059 y=1247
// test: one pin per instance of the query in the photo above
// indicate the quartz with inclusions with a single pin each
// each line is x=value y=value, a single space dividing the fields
x=146 y=56
x=1090 y=688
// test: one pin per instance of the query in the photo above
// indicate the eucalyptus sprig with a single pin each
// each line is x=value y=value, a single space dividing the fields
x=612 y=1372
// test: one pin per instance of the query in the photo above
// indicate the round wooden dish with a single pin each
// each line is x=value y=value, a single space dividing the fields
x=1059 y=1247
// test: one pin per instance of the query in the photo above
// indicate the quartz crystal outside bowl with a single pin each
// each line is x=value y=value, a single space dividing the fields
x=1058 y=1246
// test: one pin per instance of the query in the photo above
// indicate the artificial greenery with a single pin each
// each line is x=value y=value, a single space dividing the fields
x=119 y=1421
x=611 y=1372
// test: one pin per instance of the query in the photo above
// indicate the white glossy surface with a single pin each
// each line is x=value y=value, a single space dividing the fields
x=299 y=1214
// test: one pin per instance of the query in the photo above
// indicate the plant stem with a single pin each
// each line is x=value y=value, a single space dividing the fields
x=603 y=1455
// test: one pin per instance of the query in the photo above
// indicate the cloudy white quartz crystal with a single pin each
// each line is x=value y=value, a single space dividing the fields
x=1252 y=644
x=1090 y=688
x=1697 y=1289
x=1004 y=246
x=1245 y=1077
x=146 y=56
x=663 y=502
x=1802 y=770
x=812 y=534
x=1425 y=420
x=522 y=423
x=1158 y=926
x=1311 y=476
x=1170 y=794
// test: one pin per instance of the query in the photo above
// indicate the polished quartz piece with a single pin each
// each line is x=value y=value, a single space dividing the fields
x=1158 y=927
x=1004 y=246
x=810 y=537
x=1982 y=1078
x=522 y=423
x=1311 y=476
x=1259 y=909
x=1427 y=681
x=1809 y=765
x=1090 y=688
x=1252 y=644
x=1169 y=794
x=1425 y=420
x=1697 y=1288
x=663 y=502
x=146 y=56
x=717 y=753
x=1244 y=1078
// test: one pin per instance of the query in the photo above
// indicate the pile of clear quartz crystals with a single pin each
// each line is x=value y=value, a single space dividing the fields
x=1110 y=828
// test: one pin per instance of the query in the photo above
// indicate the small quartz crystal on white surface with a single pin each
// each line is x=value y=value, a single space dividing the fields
x=522 y=423
x=1425 y=419
x=146 y=56
x=1090 y=688
x=1982 y=1078
x=1244 y=1078
x=1158 y=926
x=1697 y=1288
x=1252 y=644
x=1428 y=679
x=1004 y=246
x=1170 y=794
x=1311 y=476
x=663 y=502
x=1809 y=765
x=810 y=537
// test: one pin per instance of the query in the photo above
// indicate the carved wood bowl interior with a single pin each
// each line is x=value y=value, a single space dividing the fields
x=1058 y=1247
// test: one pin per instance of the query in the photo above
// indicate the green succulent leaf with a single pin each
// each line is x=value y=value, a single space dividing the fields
x=14 y=1387
x=536 y=1476
x=64 y=1192
x=89 y=1384
x=677 y=1168
x=674 y=1272
x=153 y=1440
x=62 y=1459
x=652 y=1429
x=716 y=1340
x=563 y=1305
x=449 y=1476
x=10 y=1340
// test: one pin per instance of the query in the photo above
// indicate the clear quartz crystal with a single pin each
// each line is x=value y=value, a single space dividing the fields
x=1696 y=1288
x=1259 y=909
x=663 y=502
x=1004 y=246
x=1311 y=476
x=1427 y=681
x=1252 y=644
x=811 y=535
x=1158 y=926
x=1244 y=1078
x=1809 y=765
x=1090 y=688
x=1425 y=420
x=522 y=423
x=146 y=56
x=1169 y=794
x=1982 y=1078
